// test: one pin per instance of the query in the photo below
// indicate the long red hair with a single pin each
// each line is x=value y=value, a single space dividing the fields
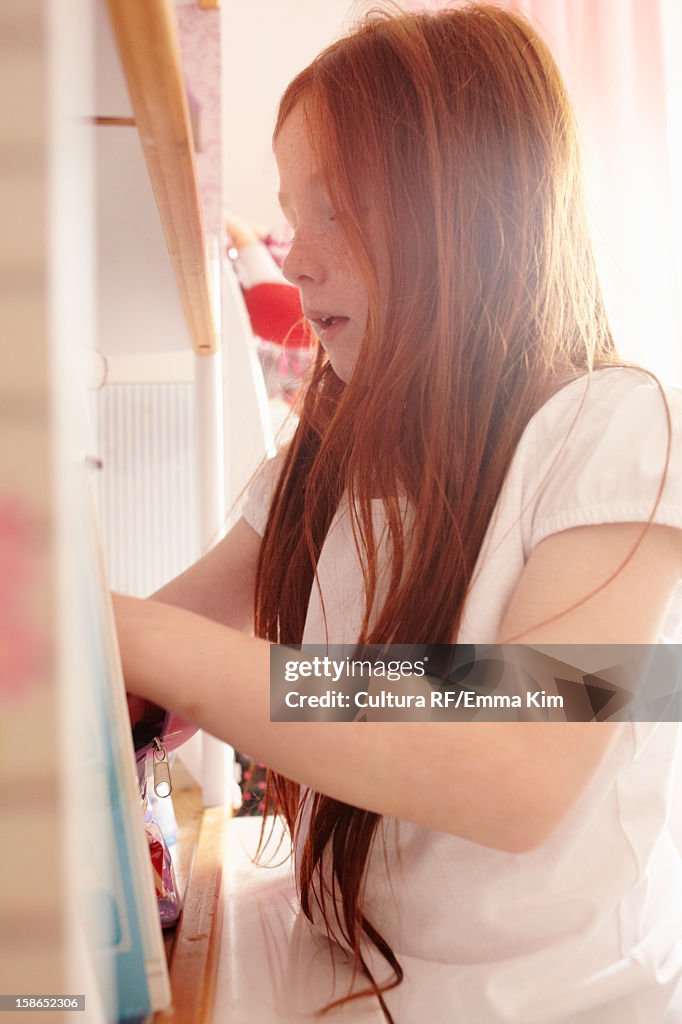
x=456 y=127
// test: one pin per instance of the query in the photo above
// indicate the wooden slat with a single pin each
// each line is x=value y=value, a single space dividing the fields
x=116 y=122
x=194 y=959
x=148 y=46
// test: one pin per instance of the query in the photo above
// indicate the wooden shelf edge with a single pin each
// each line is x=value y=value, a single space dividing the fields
x=196 y=949
x=148 y=46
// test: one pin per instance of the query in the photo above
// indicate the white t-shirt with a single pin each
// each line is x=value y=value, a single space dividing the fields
x=587 y=928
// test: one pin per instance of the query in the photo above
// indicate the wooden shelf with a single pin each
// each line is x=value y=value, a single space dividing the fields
x=147 y=43
x=193 y=945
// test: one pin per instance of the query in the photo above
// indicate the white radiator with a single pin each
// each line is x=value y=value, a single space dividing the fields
x=147 y=485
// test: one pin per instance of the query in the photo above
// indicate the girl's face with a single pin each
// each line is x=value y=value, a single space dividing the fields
x=320 y=262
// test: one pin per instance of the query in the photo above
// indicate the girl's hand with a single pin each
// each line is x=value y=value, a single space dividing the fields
x=137 y=707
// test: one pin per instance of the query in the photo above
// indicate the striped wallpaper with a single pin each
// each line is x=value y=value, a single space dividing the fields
x=147 y=487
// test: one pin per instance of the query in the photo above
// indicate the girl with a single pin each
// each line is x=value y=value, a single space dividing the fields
x=473 y=464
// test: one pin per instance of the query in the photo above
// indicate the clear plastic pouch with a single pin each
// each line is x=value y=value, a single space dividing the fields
x=156 y=731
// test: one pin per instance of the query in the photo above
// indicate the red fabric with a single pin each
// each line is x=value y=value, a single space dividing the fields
x=276 y=315
x=156 y=855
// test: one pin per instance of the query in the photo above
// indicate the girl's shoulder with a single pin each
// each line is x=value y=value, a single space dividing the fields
x=605 y=448
x=593 y=399
x=612 y=409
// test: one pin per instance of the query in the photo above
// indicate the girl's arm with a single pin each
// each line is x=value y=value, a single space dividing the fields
x=220 y=586
x=505 y=785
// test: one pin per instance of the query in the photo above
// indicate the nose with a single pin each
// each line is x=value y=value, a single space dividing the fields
x=303 y=264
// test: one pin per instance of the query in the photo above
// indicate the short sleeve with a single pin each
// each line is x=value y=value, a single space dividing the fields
x=601 y=446
x=259 y=494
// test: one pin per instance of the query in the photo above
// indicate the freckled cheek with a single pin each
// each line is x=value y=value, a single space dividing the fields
x=352 y=286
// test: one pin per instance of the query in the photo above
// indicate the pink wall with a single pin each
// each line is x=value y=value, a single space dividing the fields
x=199 y=34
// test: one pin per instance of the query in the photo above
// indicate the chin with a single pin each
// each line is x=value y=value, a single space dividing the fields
x=343 y=365
x=343 y=372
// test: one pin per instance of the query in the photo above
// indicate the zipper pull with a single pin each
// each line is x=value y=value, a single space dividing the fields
x=162 y=779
